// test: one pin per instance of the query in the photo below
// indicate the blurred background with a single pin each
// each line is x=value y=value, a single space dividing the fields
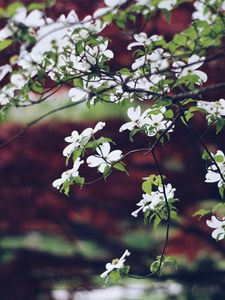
x=54 y=247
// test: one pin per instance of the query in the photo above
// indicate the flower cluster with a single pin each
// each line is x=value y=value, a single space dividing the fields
x=151 y=120
x=117 y=265
x=216 y=108
x=154 y=199
x=77 y=140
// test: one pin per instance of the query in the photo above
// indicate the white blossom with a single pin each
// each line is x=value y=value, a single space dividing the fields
x=4 y=70
x=68 y=174
x=110 y=7
x=150 y=201
x=219 y=226
x=33 y=19
x=116 y=264
x=182 y=69
x=158 y=60
x=152 y=123
x=104 y=157
x=5 y=33
x=77 y=140
x=6 y=94
x=167 y=4
x=202 y=12
x=213 y=108
x=143 y=40
x=18 y=80
x=212 y=174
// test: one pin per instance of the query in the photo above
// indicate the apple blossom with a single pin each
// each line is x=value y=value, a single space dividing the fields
x=117 y=264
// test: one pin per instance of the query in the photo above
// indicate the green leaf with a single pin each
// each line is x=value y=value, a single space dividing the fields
x=155 y=266
x=79 y=180
x=218 y=158
x=205 y=155
x=169 y=114
x=36 y=5
x=119 y=166
x=12 y=8
x=201 y=213
x=147 y=186
x=166 y=14
x=77 y=153
x=4 y=44
x=221 y=191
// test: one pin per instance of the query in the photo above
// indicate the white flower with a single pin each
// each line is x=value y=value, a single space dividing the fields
x=219 y=226
x=142 y=40
x=33 y=19
x=216 y=107
x=18 y=80
x=77 y=140
x=68 y=174
x=167 y=4
x=5 y=33
x=194 y=62
x=116 y=264
x=153 y=122
x=111 y=4
x=150 y=201
x=212 y=174
x=6 y=94
x=137 y=118
x=77 y=94
x=203 y=12
x=104 y=158
x=158 y=60
x=4 y=70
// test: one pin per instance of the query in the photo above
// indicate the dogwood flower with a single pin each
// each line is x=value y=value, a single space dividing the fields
x=158 y=60
x=4 y=70
x=18 y=80
x=138 y=119
x=194 y=62
x=105 y=158
x=116 y=264
x=202 y=12
x=110 y=6
x=143 y=40
x=167 y=4
x=77 y=140
x=5 y=33
x=6 y=94
x=33 y=19
x=153 y=123
x=212 y=174
x=150 y=201
x=68 y=174
x=216 y=107
x=219 y=226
